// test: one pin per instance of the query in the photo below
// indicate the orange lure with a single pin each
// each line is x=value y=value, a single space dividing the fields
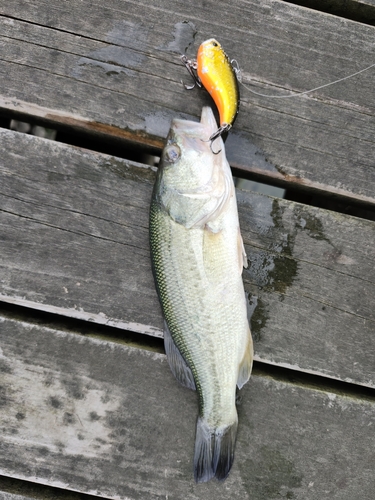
x=215 y=71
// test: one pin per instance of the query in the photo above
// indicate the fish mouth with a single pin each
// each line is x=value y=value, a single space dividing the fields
x=195 y=135
x=202 y=129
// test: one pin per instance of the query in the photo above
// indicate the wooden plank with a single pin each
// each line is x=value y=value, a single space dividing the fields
x=53 y=494
x=11 y=496
x=4 y=495
x=92 y=243
x=84 y=414
x=74 y=241
x=16 y=489
x=124 y=56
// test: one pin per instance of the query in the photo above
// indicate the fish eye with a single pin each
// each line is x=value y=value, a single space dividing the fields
x=172 y=153
x=215 y=44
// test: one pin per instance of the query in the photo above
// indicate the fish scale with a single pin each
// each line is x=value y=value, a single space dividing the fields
x=197 y=257
x=170 y=274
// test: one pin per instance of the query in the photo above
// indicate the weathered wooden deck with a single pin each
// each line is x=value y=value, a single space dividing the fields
x=88 y=405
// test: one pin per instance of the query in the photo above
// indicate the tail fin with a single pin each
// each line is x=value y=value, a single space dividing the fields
x=214 y=451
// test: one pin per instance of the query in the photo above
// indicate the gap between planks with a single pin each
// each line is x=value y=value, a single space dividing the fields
x=19 y=489
x=77 y=131
x=362 y=11
x=287 y=374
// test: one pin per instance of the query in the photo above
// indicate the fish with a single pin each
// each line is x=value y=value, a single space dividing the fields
x=197 y=256
x=217 y=73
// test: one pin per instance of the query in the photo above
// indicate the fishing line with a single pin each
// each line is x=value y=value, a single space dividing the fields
x=297 y=94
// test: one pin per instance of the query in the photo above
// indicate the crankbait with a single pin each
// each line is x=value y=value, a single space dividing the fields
x=219 y=75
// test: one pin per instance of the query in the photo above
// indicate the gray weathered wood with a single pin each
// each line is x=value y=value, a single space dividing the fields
x=16 y=489
x=113 y=68
x=4 y=495
x=74 y=241
x=11 y=496
x=102 y=418
x=90 y=242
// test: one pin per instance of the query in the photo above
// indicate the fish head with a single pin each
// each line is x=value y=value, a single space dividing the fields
x=192 y=179
x=187 y=160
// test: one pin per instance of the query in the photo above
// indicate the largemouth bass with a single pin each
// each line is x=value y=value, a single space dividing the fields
x=197 y=257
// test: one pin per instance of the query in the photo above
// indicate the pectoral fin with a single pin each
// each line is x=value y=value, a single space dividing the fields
x=176 y=362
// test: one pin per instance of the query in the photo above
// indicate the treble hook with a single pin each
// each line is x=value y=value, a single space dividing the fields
x=192 y=66
x=223 y=129
x=214 y=152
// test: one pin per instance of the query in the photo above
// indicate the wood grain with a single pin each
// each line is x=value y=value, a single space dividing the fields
x=74 y=241
x=85 y=414
x=113 y=69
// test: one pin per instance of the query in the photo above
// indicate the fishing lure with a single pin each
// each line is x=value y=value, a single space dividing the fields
x=219 y=76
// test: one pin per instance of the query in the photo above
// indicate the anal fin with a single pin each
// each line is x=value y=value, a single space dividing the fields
x=242 y=257
x=246 y=364
x=176 y=362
